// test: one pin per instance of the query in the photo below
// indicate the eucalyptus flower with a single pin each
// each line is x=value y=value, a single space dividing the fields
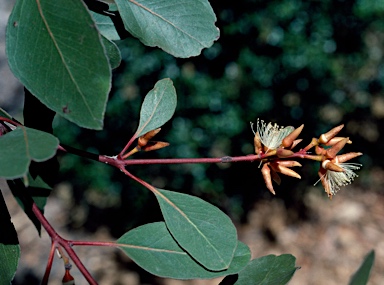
x=334 y=180
x=272 y=136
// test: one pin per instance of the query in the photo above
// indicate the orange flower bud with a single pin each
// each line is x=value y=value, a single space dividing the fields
x=143 y=140
x=345 y=157
x=336 y=140
x=295 y=143
x=288 y=140
x=324 y=182
x=331 y=153
x=328 y=165
x=324 y=138
x=284 y=170
x=275 y=177
x=288 y=163
x=266 y=172
x=281 y=152
x=154 y=146
x=257 y=143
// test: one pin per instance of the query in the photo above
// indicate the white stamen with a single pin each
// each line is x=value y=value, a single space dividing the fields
x=272 y=136
x=336 y=180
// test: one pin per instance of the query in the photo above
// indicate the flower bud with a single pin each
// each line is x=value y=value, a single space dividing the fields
x=295 y=143
x=345 y=157
x=331 y=153
x=257 y=143
x=328 y=165
x=288 y=163
x=336 y=140
x=289 y=139
x=282 y=153
x=266 y=172
x=324 y=182
x=275 y=177
x=143 y=140
x=154 y=146
x=324 y=138
x=285 y=170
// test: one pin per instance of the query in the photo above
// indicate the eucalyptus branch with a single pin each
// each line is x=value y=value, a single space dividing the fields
x=49 y=263
x=66 y=244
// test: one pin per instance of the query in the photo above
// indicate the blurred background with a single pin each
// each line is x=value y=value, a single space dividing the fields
x=320 y=63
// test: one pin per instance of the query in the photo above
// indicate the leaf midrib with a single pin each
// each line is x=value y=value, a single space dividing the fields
x=165 y=20
x=190 y=222
x=63 y=59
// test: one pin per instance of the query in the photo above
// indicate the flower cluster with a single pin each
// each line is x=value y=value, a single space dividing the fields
x=274 y=146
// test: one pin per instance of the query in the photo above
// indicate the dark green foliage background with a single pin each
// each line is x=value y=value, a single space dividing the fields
x=291 y=62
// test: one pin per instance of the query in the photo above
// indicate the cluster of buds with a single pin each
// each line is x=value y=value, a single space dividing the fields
x=275 y=144
x=144 y=143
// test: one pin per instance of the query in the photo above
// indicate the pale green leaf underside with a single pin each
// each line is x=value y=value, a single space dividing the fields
x=106 y=26
x=180 y=27
x=19 y=147
x=152 y=247
x=200 y=228
x=268 y=270
x=55 y=50
x=158 y=107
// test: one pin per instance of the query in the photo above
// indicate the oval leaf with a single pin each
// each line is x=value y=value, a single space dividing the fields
x=158 y=107
x=361 y=276
x=181 y=28
x=200 y=228
x=19 y=147
x=55 y=50
x=153 y=248
x=270 y=269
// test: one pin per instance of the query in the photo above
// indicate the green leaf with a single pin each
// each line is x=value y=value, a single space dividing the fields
x=270 y=269
x=55 y=50
x=158 y=107
x=181 y=28
x=200 y=228
x=106 y=26
x=361 y=276
x=153 y=248
x=19 y=147
x=37 y=191
x=9 y=245
x=112 y=51
x=4 y=114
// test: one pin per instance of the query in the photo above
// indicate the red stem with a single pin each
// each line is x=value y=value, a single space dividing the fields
x=56 y=238
x=49 y=264
x=128 y=145
x=224 y=159
x=12 y=122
